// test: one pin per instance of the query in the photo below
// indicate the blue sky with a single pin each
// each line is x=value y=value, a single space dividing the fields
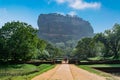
x=102 y=14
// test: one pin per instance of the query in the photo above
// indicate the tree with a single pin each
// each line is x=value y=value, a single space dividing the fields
x=53 y=51
x=44 y=55
x=115 y=40
x=4 y=53
x=84 y=48
x=102 y=39
x=41 y=45
x=111 y=41
x=20 y=39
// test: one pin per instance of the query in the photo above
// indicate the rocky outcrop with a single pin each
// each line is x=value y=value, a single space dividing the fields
x=59 y=28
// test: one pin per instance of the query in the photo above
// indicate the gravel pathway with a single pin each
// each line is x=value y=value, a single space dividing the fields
x=68 y=72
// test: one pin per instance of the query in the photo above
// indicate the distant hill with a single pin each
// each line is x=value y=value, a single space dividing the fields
x=59 y=28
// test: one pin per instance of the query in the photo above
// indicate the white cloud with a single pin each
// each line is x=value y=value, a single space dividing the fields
x=72 y=13
x=80 y=4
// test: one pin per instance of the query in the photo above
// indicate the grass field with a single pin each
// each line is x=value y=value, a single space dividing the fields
x=22 y=71
x=98 y=72
x=104 y=65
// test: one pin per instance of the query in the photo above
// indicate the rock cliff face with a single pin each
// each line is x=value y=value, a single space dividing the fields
x=58 y=28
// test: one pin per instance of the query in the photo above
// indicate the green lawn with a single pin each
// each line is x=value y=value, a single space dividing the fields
x=98 y=72
x=95 y=58
x=101 y=58
x=104 y=65
x=88 y=68
x=22 y=71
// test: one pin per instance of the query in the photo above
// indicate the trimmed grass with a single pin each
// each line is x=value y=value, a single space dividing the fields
x=98 y=72
x=83 y=61
x=23 y=71
x=104 y=65
x=95 y=58
x=20 y=69
x=85 y=67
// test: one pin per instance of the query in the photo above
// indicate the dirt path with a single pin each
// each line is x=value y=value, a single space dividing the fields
x=67 y=72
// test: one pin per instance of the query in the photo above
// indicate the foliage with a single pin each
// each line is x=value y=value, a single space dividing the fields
x=53 y=51
x=66 y=47
x=19 y=41
x=111 y=41
x=84 y=49
x=104 y=45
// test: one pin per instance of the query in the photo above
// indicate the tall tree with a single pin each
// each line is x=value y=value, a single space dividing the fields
x=21 y=40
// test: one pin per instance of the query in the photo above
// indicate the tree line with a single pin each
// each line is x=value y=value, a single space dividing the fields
x=105 y=45
x=19 y=42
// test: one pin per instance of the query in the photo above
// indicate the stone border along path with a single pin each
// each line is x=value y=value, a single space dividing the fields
x=68 y=72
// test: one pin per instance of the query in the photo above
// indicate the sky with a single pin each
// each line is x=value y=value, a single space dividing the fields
x=102 y=14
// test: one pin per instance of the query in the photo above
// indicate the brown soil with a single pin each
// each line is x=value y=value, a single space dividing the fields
x=68 y=72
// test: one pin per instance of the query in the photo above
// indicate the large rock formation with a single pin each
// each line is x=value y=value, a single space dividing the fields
x=59 y=28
